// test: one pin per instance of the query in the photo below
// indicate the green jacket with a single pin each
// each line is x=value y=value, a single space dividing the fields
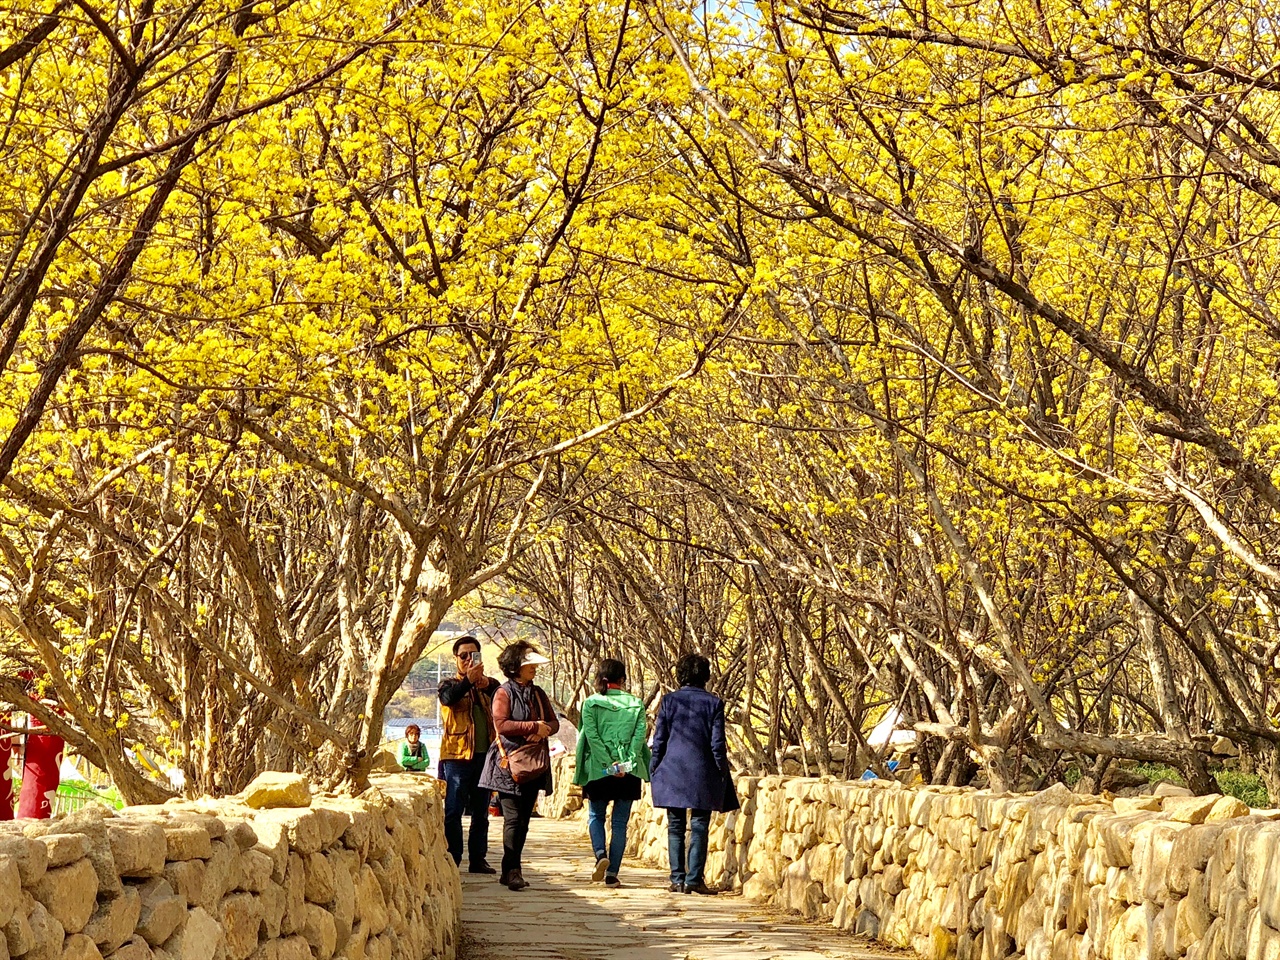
x=409 y=762
x=612 y=729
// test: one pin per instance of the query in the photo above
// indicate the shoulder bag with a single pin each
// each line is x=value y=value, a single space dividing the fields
x=529 y=761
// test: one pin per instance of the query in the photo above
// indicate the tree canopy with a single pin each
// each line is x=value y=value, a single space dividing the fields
x=893 y=356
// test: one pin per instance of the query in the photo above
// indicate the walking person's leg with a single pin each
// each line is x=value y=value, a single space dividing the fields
x=699 y=827
x=454 y=775
x=596 y=810
x=511 y=846
x=676 y=823
x=524 y=805
x=618 y=838
x=478 y=835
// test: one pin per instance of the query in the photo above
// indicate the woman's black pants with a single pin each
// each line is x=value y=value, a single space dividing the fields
x=516 y=811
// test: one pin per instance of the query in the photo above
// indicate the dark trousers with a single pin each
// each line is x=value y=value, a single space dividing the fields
x=699 y=824
x=516 y=811
x=462 y=795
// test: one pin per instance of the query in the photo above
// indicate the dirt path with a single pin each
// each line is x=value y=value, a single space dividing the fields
x=563 y=916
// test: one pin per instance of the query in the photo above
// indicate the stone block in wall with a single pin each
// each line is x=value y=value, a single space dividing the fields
x=1117 y=834
x=1152 y=848
x=1235 y=911
x=1190 y=809
x=138 y=849
x=1193 y=919
x=161 y=913
x=213 y=825
x=277 y=789
x=320 y=931
x=240 y=834
x=80 y=947
x=46 y=934
x=1227 y=808
x=115 y=920
x=346 y=867
x=921 y=805
x=186 y=841
x=28 y=855
x=135 y=948
x=295 y=886
x=1258 y=846
x=222 y=874
x=10 y=888
x=240 y=916
x=1269 y=894
x=186 y=878
x=1263 y=942
x=256 y=870
x=17 y=932
x=336 y=820
x=90 y=821
x=370 y=904
x=305 y=828
x=66 y=848
x=273 y=840
x=69 y=894
x=290 y=948
x=319 y=879
x=199 y=938
x=272 y=904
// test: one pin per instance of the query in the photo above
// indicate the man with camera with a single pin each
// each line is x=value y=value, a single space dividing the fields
x=466 y=707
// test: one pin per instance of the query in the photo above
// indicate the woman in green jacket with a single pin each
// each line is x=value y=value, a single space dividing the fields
x=612 y=759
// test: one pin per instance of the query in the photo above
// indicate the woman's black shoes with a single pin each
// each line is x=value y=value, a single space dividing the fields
x=481 y=867
x=676 y=888
x=702 y=889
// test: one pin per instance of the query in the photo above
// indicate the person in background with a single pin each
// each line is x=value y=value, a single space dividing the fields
x=522 y=714
x=612 y=760
x=413 y=752
x=690 y=770
x=466 y=702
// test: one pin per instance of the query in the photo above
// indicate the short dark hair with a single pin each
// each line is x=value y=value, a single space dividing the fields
x=693 y=670
x=511 y=659
x=412 y=728
x=457 y=644
x=609 y=671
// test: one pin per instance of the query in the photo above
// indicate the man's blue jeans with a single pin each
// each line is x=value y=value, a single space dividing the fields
x=596 y=812
x=462 y=794
x=699 y=824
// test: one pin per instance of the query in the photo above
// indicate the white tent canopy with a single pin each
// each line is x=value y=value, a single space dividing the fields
x=888 y=732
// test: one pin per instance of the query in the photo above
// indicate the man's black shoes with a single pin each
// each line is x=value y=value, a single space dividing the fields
x=481 y=867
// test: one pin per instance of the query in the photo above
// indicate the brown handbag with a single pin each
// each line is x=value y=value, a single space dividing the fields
x=529 y=761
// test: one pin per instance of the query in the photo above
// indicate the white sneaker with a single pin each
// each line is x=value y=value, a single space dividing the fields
x=601 y=866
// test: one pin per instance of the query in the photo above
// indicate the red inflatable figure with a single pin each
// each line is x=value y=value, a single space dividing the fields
x=41 y=767
x=41 y=772
x=6 y=773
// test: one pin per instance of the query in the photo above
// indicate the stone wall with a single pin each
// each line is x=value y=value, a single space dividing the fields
x=356 y=879
x=951 y=871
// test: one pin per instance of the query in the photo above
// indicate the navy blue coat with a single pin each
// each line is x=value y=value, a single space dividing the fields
x=690 y=767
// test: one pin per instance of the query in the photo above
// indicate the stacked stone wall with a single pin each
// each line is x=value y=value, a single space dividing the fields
x=957 y=872
x=354 y=879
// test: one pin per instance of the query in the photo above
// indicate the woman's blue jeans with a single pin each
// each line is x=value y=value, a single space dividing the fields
x=596 y=812
x=699 y=824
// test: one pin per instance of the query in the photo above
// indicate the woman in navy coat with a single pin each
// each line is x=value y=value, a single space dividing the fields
x=689 y=772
